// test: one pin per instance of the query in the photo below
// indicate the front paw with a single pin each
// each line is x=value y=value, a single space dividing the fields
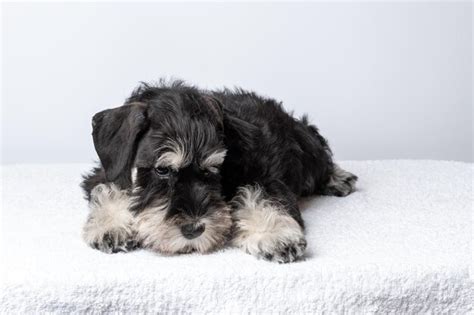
x=273 y=247
x=109 y=225
x=279 y=250
x=111 y=241
x=285 y=251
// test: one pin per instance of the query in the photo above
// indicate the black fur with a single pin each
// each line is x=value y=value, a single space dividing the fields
x=265 y=146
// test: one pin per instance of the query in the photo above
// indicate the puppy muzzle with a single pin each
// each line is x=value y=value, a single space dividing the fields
x=192 y=230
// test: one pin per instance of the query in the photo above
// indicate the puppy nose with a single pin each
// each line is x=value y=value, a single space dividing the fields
x=191 y=231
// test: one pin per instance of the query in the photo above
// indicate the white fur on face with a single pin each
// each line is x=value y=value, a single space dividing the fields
x=161 y=235
x=134 y=175
x=262 y=226
x=109 y=215
x=214 y=160
x=175 y=157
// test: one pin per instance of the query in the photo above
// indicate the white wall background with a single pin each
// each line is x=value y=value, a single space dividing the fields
x=381 y=80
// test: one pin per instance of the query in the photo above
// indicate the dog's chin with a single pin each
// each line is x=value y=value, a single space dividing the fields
x=162 y=235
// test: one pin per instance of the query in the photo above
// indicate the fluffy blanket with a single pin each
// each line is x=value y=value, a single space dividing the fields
x=400 y=244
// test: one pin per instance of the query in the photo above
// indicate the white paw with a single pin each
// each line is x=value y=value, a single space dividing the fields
x=275 y=248
x=112 y=241
x=109 y=227
x=264 y=229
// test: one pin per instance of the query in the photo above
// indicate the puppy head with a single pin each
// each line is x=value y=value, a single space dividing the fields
x=168 y=148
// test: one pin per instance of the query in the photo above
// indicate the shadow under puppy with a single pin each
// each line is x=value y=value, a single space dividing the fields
x=185 y=170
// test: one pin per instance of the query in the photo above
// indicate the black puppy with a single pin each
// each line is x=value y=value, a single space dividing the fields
x=185 y=170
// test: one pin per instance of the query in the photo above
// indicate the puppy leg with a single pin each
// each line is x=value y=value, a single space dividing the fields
x=268 y=225
x=341 y=183
x=109 y=227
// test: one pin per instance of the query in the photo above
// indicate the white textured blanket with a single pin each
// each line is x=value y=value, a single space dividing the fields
x=400 y=244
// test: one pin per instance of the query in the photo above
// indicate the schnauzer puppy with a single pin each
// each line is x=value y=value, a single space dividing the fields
x=183 y=170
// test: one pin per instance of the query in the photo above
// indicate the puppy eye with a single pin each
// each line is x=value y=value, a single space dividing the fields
x=211 y=171
x=162 y=171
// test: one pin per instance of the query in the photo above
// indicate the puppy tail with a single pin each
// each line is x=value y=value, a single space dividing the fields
x=341 y=183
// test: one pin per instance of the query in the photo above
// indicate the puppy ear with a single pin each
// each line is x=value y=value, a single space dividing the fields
x=116 y=133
